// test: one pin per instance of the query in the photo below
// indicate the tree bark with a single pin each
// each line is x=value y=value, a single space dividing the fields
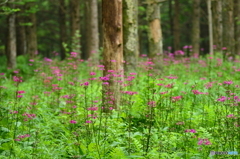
x=130 y=34
x=62 y=27
x=75 y=26
x=217 y=24
x=11 y=39
x=112 y=50
x=155 y=33
x=210 y=27
x=93 y=33
x=228 y=27
x=31 y=34
x=176 y=26
x=196 y=27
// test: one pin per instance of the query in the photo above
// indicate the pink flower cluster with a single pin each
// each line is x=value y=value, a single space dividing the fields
x=22 y=137
x=204 y=142
x=191 y=130
x=177 y=98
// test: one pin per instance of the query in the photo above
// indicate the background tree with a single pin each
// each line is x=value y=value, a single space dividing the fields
x=228 y=27
x=31 y=34
x=217 y=24
x=176 y=25
x=237 y=26
x=196 y=27
x=209 y=4
x=11 y=50
x=62 y=27
x=112 y=48
x=75 y=25
x=155 y=32
x=93 y=31
x=130 y=34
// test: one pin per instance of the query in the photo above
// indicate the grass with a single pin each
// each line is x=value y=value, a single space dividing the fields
x=53 y=109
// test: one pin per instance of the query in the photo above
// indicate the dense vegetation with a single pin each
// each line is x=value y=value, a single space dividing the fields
x=53 y=109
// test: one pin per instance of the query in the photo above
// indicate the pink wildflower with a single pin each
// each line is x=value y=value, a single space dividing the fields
x=73 y=121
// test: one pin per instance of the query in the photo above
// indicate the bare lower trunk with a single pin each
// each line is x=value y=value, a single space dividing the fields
x=210 y=27
x=237 y=26
x=112 y=50
x=176 y=26
x=93 y=37
x=130 y=37
x=217 y=24
x=196 y=27
x=228 y=27
x=11 y=40
x=31 y=34
x=62 y=27
x=75 y=26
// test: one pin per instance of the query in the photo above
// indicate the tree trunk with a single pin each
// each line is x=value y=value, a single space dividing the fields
x=237 y=26
x=217 y=24
x=75 y=26
x=62 y=27
x=176 y=26
x=93 y=33
x=130 y=36
x=21 y=32
x=11 y=39
x=196 y=27
x=210 y=27
x=112 y=50
x=228 y=27
x=31 y=34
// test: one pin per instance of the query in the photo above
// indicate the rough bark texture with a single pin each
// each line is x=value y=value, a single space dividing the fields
x=130 y=36
x=176 y=26
x=31 y=34
x=11 y=39
x=112 y=49
x=75 y=26
x=62 y=27
x=21 y=33
x=217 y=24
x=196 y=27
x=93 y=37
x=228 y=27
x=237 y=26
x=210 y=24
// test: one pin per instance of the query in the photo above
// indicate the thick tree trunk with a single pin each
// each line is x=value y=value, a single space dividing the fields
x=31 y=33
x=93 y=33
x=196 y=27
x=75 y=26
x=176 y=26
x=217 y=24
x=62 y=27
x=237 y=26
x=21 y=33
x=11 y=39
x=155 y=33
x=210 y=24
x=228 y=27
x=112 y=49
x=130 y=36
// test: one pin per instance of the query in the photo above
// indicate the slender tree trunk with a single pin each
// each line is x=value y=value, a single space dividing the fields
x=217 y=24
x=21 y=33
x=130 y=36
x=171 y=21
x=155 y=33
x=196 y=27
x=75 y=26
x=11 y=39
x=62 y=27
x=112 y=49
x=210 y=27
x=237 y=26
x=228 y=27
x=93 y=33
x=31 y=33
x=176 y=26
